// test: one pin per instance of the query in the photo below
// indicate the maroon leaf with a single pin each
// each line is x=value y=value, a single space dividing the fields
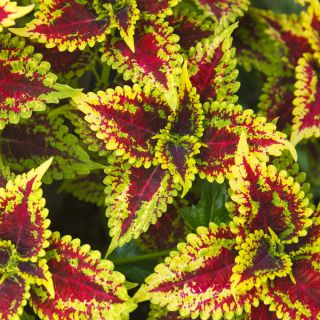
x=23 y=216
x=67 y=24
x=85 y=286
x=136 y=197
x=155 y=62
x=14 y=293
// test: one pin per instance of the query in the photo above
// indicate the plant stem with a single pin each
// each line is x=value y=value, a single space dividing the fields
x=142 y=257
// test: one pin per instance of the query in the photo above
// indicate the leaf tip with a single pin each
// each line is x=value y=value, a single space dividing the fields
x=42 y=169
x=22 y=32
x=130 y=43
x=291 y=148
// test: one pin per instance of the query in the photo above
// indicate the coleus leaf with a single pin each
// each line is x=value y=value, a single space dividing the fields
x=159 y=8
x=9 y=11
x=298 y=299
x=14 y=296
x=178 y=158
x=276 y=102
x=89 y=188
x=196 y=279
x=124 y=15
x=127 y=120
x=27 y=144
x=256 y=48
x=155 y=62
x=167 y=232
x=23 y=238
x=66 y=65
x=26 y=83
x=85 y=285
x=83 y=130
x=224 y=125
x=289 y=32
x=306 y=122
x=223 y=11
x=136 y=197
x=260 y=258
x=265 y=199
x=311 y=23
x=190 y=26
x=261 y=312
x=68 y=25
x=23 y=216
x=212 y=68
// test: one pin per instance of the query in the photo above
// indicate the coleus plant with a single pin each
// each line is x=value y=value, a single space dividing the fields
x=135 y=103
x=227 y=269
x=59 y=277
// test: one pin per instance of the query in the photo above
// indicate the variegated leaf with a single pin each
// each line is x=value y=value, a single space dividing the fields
x=155 y=62
x=23 y=216
x=124 y=15
x=212 y=68
x=190 y=27
x=126 y=120
x=178 y=157
x=311 y=23
x=67 y=24
x=261 y=258
x=169 y=230
x=86 y=286
x=136 y=197
x=276 y=102
x=224 y=125
x=89 y=188
x=255 y=47
x=159 y=8
x=265 y=199
x=261 y=312
x=14 y=292
x=36 y=273
x=179 y=142
x=195 y=280
x=9 y=11
x=306 y=122
x=289 y=32
x=29 y=143
x=26 y=84
x=223 y=11
x=66 y=65
x=83 y=130
x=297 y=297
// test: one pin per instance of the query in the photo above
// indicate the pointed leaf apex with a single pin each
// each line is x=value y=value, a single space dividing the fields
x=50 y=288
x=172 y=99
x=292 y=149
x=184 y=78
x=130 y=43
x=24 y=10
x=273 y=235
x=140 y=295
x=113 y=245
x=22 y=32
x=41 y=170
x=243 y=148
x=295 y=138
